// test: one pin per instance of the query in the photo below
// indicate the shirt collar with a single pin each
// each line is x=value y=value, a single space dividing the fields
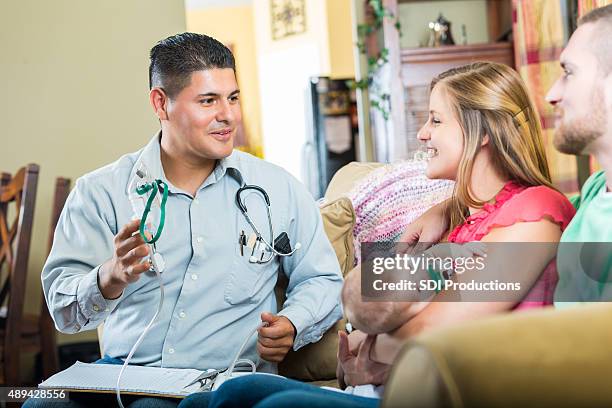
x=230 y=165
x=150 y=161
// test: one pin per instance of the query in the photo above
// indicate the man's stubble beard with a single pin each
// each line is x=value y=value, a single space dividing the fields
x=575 y=136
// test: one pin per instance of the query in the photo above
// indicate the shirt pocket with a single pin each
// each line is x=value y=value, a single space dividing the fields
x=249 y=283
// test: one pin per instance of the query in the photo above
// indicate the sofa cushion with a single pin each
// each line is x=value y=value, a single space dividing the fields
x=544 y=358
x=347 y=177
x=338 y=221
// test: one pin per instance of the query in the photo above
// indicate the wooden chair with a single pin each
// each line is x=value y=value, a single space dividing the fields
x=17 y=200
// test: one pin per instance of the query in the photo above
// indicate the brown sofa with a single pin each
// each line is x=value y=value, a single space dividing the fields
x=545 y=358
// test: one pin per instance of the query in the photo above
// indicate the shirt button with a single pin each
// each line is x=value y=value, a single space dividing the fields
x=96 y=308
x=194 y=277
x=171 y=350
x=196 y=201
x=199 y=239
x=182 y=314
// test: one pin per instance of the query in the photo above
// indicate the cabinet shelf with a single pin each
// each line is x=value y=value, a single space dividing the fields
x=420 y=65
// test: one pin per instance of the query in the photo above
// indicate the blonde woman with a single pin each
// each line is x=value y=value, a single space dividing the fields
x=483 y=133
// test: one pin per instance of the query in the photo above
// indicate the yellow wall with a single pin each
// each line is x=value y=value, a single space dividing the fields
x=341 y=42
x=75 y=93
x=234 y=26
x=316 y=33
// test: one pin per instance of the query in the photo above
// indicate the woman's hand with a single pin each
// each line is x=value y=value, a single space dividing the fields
x=430 y=227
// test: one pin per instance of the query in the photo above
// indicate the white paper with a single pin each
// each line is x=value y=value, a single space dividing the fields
x=103 y=377
x=338 y=133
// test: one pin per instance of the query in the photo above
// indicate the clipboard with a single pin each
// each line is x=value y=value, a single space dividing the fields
x=136 y=380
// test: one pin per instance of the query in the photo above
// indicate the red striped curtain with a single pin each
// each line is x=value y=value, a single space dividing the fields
x=541 y=30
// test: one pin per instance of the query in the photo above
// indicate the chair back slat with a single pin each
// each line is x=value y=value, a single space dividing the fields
x=62 y=189
x=20 y=193
x=5 y=178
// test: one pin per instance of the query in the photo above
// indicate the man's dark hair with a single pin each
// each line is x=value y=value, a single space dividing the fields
x=173 y=59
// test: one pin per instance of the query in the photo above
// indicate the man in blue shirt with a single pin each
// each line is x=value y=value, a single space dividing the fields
x=98 y=269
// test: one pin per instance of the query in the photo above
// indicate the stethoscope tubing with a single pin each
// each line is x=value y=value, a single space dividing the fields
x=243 y=209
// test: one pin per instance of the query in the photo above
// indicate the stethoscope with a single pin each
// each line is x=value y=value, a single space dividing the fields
x=260 y=239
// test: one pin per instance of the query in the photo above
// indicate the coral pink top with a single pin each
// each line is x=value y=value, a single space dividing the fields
x=516 y=203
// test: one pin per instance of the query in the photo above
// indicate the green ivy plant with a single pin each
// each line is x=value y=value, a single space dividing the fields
x=378 y=99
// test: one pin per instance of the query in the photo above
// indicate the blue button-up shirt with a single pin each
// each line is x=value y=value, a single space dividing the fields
x=213 y=295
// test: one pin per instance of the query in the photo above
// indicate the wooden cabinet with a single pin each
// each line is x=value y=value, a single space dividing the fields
x=411 y=70
x=420 y=65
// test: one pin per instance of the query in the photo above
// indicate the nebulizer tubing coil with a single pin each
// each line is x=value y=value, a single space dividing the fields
x=142 y=189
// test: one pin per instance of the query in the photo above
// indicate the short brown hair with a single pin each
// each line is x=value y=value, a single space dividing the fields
x=175 y=58
x=601 y=43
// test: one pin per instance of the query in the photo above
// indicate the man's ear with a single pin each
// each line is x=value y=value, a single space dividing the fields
x=607 y=87
x=159 y=102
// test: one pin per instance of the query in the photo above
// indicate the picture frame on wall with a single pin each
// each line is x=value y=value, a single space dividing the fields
x=288 y=17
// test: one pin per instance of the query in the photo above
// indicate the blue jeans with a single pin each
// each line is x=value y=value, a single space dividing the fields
x=267 y=391
x=95 y=400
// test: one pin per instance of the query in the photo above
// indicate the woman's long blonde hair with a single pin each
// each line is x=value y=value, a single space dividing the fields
x=488 y=98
